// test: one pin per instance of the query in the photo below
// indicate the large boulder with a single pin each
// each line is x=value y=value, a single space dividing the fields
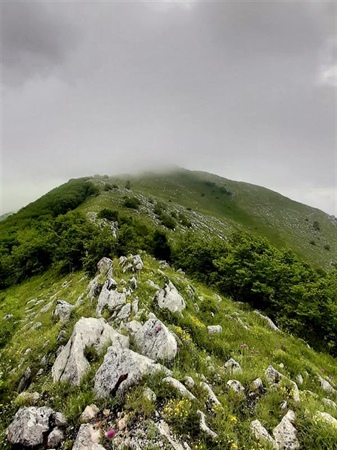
x=156 y=341
x=111 y=299
x=104 y=267
x=121 y=369
x=169 y=298
x=29 y=426
x=71 y=364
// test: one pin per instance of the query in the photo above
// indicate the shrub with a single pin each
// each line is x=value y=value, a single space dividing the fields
x=132 y=202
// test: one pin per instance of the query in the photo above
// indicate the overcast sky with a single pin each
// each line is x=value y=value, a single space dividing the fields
x=246 y=90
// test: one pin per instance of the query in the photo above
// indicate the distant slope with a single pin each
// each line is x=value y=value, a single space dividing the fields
x=217 y=205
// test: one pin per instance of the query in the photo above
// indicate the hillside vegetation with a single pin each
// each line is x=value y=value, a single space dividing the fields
x=230 y=248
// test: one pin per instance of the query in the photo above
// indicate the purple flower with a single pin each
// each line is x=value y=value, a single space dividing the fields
x=178 y=349
x=158 y=328
x=243 y=345
x=110 y=434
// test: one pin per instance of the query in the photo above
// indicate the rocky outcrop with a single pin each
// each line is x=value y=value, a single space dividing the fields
x=134 y=263
x=204 y=427
x=121 y=369
x=327 y=418
x=29 y=426
x=211 y=397
x=71 y=364
x=169 y=298
x=235 y=386
x=156 y=341
x=104 y=267
x=326 y=386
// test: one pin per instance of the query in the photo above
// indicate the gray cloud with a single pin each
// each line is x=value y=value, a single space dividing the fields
x=237 y=89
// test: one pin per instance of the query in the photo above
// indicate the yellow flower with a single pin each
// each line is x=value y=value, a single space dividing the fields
x=233 y=419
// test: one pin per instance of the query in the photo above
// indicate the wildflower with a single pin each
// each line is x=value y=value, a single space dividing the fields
x=234 y=446
x=233 y=419
x=178 y=349
x=159 y=328
x=243 y=345
x=110 y=434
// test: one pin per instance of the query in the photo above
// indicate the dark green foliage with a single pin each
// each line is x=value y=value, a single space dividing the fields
x=131 y=202
x=300 y=299
x=316 y=226
x=128 y=184
x=168 y=221
x=108 y=214
x=184 y=221
x=160 y=246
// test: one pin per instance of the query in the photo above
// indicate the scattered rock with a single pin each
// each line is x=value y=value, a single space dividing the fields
x=204 y=427
x=110 y=299
x=37 y=326
x=149 y=394
x=329 y=402
x=285 y=433
x=269 y=321
x=258 y=384
x=121 y=369
x=261 y=434
x=326 y=385
x=89 y=413
x=152 y=284
x=59 y=420
x=71 y=364
x=156 y=341
x=299 y=379
x=46 y=307
x=212 y=398
x=124 y=313
x=179 y=387
x=29 y=426
x=94 y=287
x=169 y=298
x=273 y=375
x=88 y=438
x=63 y=310
x=8 y=317
x=55 y=438
x=164 y=430
x=232 y=366
x=133 y=283
x=104 y=266
x=30 y=398
x=131 y=327
x=189 y=382
x=214 y=329
x=235 y=385
x=25 y=380
x=323 y=416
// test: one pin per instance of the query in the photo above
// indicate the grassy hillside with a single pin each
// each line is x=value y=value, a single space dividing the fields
x=217 y=205
x=245 y=337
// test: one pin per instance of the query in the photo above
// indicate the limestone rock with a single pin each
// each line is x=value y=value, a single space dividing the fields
x=273 y=375
x=88 y=438
x=89 y=413
x=94 y=287
x=232 y=366
x=270 y=323
x=325 y=417
x=124 y=313
x=285 y=433
x=214 y=329
x=59 y=420
x=179 y=387
x=235 y=385
x=131 y=327
x=204 y=427
x=156 y=341
x=258 y=384
x=28 y=397
x=148 y=394
x=326 y=385
x=189 y=382
x=212 y=398
x=121 y=369
x=169 y=298
x=55 y=438
x=329 y=402
x=261 y=434
x=29 y=426
x=153 y=284
x=104 y=266
x=71 y=364
x=133 y=283
x=63 y=310
x=109 y=298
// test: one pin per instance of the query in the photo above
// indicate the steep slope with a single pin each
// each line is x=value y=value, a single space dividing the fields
x=210 y=330
x=215 y=204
